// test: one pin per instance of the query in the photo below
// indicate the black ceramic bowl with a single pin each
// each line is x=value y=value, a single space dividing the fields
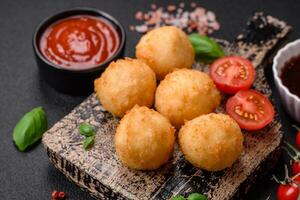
x=75 y=82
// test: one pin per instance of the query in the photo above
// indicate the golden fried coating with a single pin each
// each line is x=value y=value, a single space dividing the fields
x=125 y=83
x=185 y=94
x=165 y=49
x=144 y=139
x=212 y=142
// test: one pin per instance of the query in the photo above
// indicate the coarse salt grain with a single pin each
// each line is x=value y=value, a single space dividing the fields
x=153 y=6
x=139 y=15
x=194 y=19
x=171 y=8
x=193 y=5
x=142 y=28
x=211 y=16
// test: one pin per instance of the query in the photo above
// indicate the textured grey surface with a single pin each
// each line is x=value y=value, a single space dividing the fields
x=30 y=175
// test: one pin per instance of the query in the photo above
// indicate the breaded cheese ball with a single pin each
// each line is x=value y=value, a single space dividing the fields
x=212 y=142
x=125 y=83
x=144 y=139
x=185 y=94
x=165 y=49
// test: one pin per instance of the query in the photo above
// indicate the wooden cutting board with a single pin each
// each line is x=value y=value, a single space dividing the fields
x=99 y=171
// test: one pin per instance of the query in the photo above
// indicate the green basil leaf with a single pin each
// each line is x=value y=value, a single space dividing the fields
x=86 y=130
x=30 y=128
x=196 y=196
x=88 y=142
x=206 y=49
x=178 y=197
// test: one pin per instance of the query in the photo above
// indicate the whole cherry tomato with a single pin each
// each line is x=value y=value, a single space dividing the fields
x=297 y=136
x=296 y=167
x=289 y=191
x=295 y=156
x=298 y=140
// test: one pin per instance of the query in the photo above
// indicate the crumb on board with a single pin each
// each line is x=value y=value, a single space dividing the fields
x=192 y=18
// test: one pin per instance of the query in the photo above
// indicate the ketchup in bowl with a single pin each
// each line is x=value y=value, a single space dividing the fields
x=79 y=42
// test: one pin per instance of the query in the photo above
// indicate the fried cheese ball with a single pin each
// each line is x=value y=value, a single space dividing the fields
x=185 y=94
x=144 y=139
x=212 y=142
x=165 y=49
x=125 y=83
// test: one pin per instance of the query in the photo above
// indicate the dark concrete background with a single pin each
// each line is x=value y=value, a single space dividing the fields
x=30 y=175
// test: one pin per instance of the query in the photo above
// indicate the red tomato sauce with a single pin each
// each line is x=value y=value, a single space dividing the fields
x=79 y=42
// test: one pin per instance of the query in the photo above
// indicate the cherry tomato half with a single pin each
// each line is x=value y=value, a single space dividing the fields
x=250 y=109
x=232 y=73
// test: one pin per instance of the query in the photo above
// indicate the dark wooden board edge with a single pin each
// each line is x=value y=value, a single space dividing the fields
x=259 y=173
x=85 y=181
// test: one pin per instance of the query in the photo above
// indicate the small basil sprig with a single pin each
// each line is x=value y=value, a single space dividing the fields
x=206 y=49
x=88 y=132
x=30 y=128
x=193 y=196
x=88 y=142
x=196 y=196
x=178 y=197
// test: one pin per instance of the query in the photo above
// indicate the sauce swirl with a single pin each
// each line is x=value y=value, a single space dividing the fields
x=79 y=42
x=290 y=75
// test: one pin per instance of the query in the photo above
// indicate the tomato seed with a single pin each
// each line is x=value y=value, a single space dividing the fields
x=251 y=116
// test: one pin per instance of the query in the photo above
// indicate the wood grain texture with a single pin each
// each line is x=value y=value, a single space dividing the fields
x=100 y=172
